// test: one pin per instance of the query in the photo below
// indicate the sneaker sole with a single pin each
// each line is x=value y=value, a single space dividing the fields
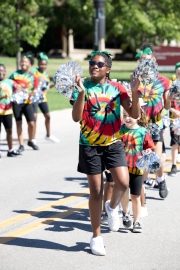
x=137 y=230
x=98 y=253
x=104 y=223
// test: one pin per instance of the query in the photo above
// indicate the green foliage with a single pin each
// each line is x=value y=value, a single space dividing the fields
x=143 y=20
x=21 y=21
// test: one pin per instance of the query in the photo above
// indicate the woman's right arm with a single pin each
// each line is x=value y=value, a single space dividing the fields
x=78 y=105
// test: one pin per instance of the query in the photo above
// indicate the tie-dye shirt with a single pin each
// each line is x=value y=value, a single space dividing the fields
x=42 y=77
x=26 y=80
x=7 y=87
x=152 y=94
x=135 y=141
x=100 y=123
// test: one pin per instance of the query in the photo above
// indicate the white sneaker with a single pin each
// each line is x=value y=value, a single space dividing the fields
x=113 y=217
x=52 y=139
x=178 y=158
x=144 y=212
x=97 y=246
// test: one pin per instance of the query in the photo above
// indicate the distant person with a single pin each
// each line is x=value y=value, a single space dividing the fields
x=43 y=79
x=175 y=139
x=7 y=87
x=156 y=96
x=136 y=139
x=97 y=108
x=26 y=81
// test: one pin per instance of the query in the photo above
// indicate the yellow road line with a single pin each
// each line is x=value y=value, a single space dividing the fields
x=169 y=168
x=43 y=208
x=43 y=222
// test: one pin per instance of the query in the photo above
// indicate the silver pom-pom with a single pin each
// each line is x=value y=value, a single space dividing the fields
x=166 y=121
x=147 y=71
x=176 y=126
x=150 y=162
x=19 y=97
x=64 y=78
x=174 y=90
x=127 y=86
x=38 y=92
x=154 y=131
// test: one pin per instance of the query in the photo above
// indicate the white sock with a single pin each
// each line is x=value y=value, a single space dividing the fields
x=10 y=150
x=160 y=179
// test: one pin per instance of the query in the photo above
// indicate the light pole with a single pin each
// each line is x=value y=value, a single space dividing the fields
x=99 y=25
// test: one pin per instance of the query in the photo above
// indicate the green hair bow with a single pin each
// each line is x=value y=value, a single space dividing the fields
x=145 y=51
x=43 y=56
x=27 y=56
x=105 y=52
x=177 y=65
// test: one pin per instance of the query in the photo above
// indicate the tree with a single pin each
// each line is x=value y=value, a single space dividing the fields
x=143 y=20
x=21 y=21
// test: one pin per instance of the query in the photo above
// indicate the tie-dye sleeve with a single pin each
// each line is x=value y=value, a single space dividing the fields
x=148 y=142
x=165 y=82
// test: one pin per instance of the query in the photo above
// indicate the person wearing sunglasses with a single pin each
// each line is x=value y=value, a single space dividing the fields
x=97 y=107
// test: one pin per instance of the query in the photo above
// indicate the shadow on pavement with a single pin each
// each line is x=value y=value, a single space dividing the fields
x=38 y=243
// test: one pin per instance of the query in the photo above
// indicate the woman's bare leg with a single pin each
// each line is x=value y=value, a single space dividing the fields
x=95 y=202
x=121 y=183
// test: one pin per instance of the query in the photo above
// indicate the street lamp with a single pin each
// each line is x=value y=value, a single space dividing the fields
x=99 y=25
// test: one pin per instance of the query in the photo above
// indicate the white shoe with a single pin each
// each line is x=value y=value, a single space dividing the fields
x=144 y=212
x=97 y=246
x=113 y=217
x=52 y=139
x=178 y=158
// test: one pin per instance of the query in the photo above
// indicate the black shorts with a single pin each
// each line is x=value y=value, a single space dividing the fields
x=44 y=107
x=161 y=137
x=135 y=184
x=175 y=139
x=35 y=106
x=6 y=120
x=94 y=159
x=26 y=109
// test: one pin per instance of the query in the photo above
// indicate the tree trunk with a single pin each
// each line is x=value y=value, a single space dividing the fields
x=18 y=59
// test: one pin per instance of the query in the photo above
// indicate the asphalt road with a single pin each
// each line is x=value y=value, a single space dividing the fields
x=44 y=220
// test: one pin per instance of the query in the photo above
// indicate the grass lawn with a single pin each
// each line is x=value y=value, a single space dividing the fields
x=120 y=70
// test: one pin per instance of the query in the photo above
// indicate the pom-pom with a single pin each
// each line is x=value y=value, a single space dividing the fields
x=176 y=126
x=154 y=131
x=64 y=78
x=38 y=92
x=127 y=86
x=150 y=162
x=19 y=97
x=174 y=90
x=166 y=121
x=147 y=71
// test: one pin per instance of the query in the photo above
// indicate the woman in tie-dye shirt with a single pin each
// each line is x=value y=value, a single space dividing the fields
x=27 y=83
x=97 y=108
x=43 y=79
x=7 y=87
x=174 y=112
x=155 y=95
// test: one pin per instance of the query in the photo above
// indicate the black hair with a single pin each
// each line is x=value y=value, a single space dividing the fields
x=2 y=65
x=30 y=57
x=108 y=60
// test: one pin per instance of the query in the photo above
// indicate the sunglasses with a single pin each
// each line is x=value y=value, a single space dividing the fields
x=99 y=64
